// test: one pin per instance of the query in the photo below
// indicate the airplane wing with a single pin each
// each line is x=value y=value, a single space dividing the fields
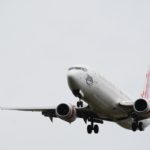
x=127 y=105
x=52 y=112
x=139 y=109
x=40 y=109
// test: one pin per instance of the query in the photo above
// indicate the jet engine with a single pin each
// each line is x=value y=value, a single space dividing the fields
x=66 y=112
x=141 y=106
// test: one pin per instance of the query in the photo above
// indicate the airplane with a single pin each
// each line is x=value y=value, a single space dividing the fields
x=98 y=101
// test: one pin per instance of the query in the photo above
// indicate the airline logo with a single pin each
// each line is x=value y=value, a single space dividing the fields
x=89 y=80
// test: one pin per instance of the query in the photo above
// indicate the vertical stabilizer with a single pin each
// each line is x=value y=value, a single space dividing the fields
x=146 y=92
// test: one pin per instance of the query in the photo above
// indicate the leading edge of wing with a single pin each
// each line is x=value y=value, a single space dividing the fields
x=126 y=103
x=37 y=109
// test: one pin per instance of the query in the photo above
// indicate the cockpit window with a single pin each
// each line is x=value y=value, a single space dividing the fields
x=78 y=68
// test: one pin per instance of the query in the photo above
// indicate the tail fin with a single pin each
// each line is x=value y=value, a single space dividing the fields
x=146 y=92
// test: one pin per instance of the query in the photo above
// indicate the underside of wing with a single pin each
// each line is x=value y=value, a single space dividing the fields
x=63 y=111
x=138 y=110
x=126 y=106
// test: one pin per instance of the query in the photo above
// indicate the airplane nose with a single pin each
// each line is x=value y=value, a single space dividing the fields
x=72 y=80
x=70 y=77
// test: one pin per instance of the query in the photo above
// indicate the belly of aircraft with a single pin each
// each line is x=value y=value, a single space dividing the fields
x=104 y=107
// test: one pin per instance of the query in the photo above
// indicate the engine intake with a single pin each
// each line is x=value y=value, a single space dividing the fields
x=63 y=110
x=141 y=106
x=66 y=112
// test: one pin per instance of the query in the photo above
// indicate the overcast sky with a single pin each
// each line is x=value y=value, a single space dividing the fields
x=39 y=40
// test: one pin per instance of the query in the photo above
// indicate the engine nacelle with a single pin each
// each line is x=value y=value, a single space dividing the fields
x=66 y=112
x=141 y=106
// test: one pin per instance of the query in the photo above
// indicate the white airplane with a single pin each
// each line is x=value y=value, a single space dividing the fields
x=104 y=102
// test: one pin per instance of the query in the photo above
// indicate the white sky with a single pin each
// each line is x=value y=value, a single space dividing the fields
x=39 y=40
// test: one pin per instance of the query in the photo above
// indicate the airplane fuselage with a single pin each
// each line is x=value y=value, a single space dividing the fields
x=102 y=96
